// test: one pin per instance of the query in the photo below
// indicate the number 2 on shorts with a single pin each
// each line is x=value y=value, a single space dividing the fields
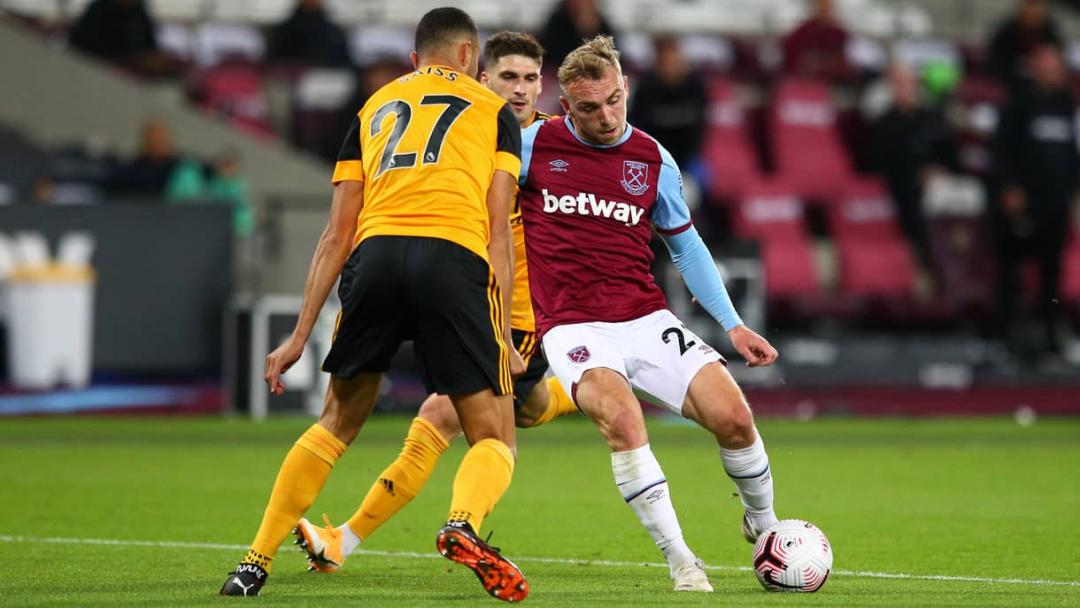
x=683 y=344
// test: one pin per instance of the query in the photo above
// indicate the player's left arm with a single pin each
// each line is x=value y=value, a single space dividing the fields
x=671 y=218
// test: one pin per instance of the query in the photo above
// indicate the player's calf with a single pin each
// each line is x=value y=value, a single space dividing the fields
x=715 y=402
x=439 y=411
x=546 y=402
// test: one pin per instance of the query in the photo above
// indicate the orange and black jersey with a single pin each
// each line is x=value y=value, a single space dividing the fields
x=521 y=313
x=425 y=147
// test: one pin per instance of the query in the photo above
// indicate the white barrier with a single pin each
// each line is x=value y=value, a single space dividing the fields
x=49 y=310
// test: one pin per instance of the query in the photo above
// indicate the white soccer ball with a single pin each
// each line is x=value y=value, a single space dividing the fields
x=792 y=555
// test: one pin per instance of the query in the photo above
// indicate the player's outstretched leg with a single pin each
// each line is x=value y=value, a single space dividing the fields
x=483 y=477
x=605 y=396
x=302 y=475
x=429 y=436
x=715 y=402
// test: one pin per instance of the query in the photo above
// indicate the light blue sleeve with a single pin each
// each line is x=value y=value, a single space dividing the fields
x=698 y=269
x=670 y=212
x=528 y=138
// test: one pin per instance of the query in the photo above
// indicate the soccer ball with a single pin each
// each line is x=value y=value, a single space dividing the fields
x=792 y=555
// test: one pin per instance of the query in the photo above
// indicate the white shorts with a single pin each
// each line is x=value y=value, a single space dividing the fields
x=655 y=353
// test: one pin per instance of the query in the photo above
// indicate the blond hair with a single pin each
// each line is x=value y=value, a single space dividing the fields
x=590 y=61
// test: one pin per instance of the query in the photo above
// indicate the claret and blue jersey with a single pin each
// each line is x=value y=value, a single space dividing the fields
x=589 y=211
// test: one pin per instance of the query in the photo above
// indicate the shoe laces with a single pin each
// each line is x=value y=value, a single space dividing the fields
x=330 y=529
x=487 y=542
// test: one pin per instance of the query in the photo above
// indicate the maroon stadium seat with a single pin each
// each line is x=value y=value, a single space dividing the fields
x=1070 y=270
x=727 y=152
x=874 y=258
x=771 y=214
x=807 y=148
x=233 y=90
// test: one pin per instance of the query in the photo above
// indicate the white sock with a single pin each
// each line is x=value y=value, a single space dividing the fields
x=643 y=486
x=349 y=540
x=749 y=468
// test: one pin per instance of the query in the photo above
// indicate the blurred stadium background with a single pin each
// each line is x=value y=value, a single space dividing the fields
x=844 y=171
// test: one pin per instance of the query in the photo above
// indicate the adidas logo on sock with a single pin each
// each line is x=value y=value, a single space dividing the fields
x=388 y=484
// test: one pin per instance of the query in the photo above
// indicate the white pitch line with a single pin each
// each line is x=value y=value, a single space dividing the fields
x=539 y=560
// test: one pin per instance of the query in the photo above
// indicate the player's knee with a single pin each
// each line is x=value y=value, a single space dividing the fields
x=736 y=428
x=439 y=411
x=624 y=430
x=527 y=416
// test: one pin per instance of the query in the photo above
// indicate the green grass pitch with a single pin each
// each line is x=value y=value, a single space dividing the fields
x=979 y=512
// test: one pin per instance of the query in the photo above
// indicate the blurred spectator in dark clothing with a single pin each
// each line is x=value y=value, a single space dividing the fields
x=818 y=47
x=572 y=22
x=670 y=103
x=308 y=36
x=120 y=32
x=1026 y=29
x=909 y=144
x=1037 y=161
x=149 y=172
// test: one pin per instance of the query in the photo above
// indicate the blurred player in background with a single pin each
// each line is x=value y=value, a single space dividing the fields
x=512 y=62
x=592 y=190
x=419 y=232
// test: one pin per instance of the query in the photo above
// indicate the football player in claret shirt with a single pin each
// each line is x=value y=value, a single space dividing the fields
x=419 y=231
x=592 y=190
x=512 y=62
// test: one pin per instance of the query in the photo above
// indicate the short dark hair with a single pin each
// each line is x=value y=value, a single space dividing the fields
x=511 y=43
x=442 y=26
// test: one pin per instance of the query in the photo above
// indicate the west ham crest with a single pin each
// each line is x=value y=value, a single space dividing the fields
x=635 y=177
x=579 y=354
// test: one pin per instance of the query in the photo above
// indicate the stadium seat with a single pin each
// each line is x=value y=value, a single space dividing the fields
x=320 y=97
x=217 y=42
x=1070 y=270
x=960 y=244
x=727 y=153
x=771 y=214
x=234 y=91
x=874 y=258
x=808 y=152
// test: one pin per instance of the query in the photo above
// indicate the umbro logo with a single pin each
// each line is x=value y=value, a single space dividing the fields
x=559 y=165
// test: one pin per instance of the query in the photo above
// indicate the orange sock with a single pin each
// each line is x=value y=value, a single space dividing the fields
x=559 y=403
x=402 y=480
x=482 y=479
x=299 y=481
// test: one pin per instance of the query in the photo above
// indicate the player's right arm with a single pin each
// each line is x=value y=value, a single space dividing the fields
x=500 y=197
x=333 y=250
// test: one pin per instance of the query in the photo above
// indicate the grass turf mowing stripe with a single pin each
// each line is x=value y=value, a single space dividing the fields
x=539 y=560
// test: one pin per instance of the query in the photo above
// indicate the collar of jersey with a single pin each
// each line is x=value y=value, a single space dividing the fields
x=625 y=136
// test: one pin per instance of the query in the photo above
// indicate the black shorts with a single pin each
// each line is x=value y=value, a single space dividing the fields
x=535 y=365
x=434 y=292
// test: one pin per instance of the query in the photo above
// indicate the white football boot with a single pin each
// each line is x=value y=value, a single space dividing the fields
x=691 y=577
